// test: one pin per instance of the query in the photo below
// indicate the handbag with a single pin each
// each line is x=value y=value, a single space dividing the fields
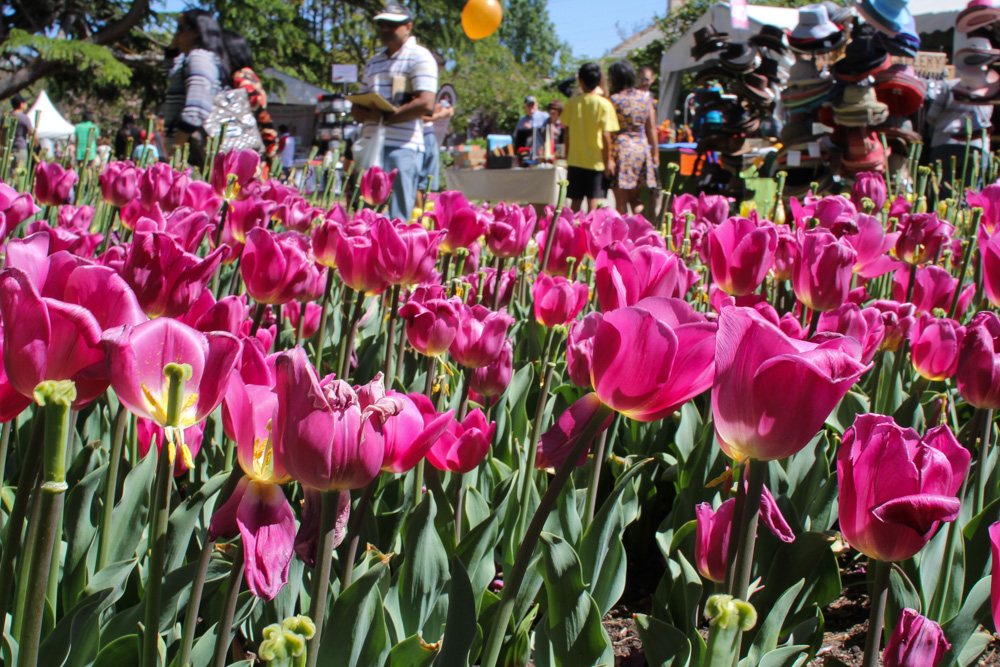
x=232 y=108
x=368 y=149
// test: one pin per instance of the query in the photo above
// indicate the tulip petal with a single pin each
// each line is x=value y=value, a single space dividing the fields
x=555 y=444
x=307 y=538
x=920 y=512
x=267 y=525
x=771 y=515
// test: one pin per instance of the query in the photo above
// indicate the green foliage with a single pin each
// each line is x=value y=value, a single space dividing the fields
x=75 y=53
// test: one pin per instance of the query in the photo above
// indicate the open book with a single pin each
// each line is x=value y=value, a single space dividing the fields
x=372 y=100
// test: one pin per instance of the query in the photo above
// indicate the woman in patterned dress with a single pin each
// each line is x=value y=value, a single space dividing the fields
x=635 y=163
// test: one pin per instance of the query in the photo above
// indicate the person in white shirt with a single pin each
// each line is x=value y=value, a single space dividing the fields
x=286 y=144
x=406 y=74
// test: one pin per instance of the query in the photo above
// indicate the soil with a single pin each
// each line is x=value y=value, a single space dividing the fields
x=620 y=627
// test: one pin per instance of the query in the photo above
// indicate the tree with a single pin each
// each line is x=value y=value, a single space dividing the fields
x=529 y=34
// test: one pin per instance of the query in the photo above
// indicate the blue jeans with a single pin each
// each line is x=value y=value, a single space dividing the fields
x=404 y=188
x=429 y=172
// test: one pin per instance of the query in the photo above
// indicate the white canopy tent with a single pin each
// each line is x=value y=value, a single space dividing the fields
x=935 y=15
x=678 y=59
x=49 y=123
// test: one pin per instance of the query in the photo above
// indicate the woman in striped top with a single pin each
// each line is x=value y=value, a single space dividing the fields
x=195 y=77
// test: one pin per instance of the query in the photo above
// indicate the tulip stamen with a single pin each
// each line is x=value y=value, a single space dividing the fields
x=155 y=406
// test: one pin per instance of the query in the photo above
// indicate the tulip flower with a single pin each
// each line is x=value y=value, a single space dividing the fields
x=227 y=314
x=404 y=254
x=307 y=539
x=978 y=372
x=480 y=335
x=580 y=349
x=915 y=642
x=463 y=445
x=53 y=184
x=493 y=380
x=326 y=439
x=708 y=211
x=278 y=268
x=568 y=241
x=200 y=196
x=138 y=358
x=994 y=533
x=934 y=288
x=624 y=277
x=246 y=215
x=605 y=226
x=12 y=402
x=77 y=218
x=412 y=432
x=557 y=300
x=148 y=432
x=864 y=325
x=772 y=393
x=173 y=198
x=651 y=358
x=872 y=246
x=327 y=235
x=896 y=487
x=987 y=199
x=357 y=263
x=376 y=185
x=711 y=545
x=934 y=344
x=741 y=254
x=15 y=207
x=822 y=274
x=431 y=325
x=510 y=230
x=296 y=214
x=233 y=171
x=869 y=185
x=921 y=237
x=836 y=215
x=462 y=223
x=119 y=182
x=79 y=242
x=292 y=311
x=134 y=211
x=154 y=183
x=989 y=247
x=486 y=283
x=166 y=279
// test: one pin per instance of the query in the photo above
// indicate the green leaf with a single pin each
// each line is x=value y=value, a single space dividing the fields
x=575 y=629
x=184 y=518
x=810 y=558
x=80 y=533
x=412 y=652
x=476 y=552
x=974 y=648
x=788 y=656
x=663 y=644
x=425 y=568
x=974 y=612
x=122 y=652
x=460 y=629
x=852 y=405
x=977 y=544
x=129 y=517
x=940 y=569
x=689 y=430
x=766 y=638
x=902 y=594
x=355 y=633
x=679 y=593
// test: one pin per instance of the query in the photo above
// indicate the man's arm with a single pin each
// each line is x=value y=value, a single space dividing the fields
x=421 y=105
x=609 y=162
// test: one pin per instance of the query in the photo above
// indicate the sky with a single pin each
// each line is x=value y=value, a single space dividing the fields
x=590 y=28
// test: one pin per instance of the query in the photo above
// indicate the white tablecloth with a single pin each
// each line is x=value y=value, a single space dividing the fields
x=516 y=186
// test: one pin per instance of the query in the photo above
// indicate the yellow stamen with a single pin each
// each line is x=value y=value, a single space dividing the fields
x=158 y=410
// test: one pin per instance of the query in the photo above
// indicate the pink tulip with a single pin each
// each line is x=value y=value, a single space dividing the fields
x=119 y=182
x=12 y=402
x=154 y=183
x=200 y=196
x=557 y=300
x=987 y=199
x=896 y=488
x=862 y=324
x=651 y=358
x=899 y=319
x=292 y=311
x=978 y=372
x=872 y=246
x=922 y=237
x=376 y=185
x=463 y=445
x=188 y=227
x=307 y=539
x=934 y=344
x=580 y=349
x=915 y=642
x=934 y=288
x=357 y=264
x=412 y=432
x=624 y=277
x=137 y=357
x=480 y=335
x=404 y=254
x=989 y=247
x=15 y=207
x=708 y=211
x=994 y=532
x=711 y=545
x=79 y=242
x=233 y=171
x=246 y=215
x=772 y=393
x=431 y=325
x=568 y=241
x=822 y=275
x=296 y=214
x=166 y=279
x=461 y=223
x=173 y=198
x=227 y=314
x=605 y=226
x=510 y=230
x=869 y=185
x=134 y=211
x=836 y=214
x=183 y=452
x=555 y=445
x=493 y=380
x=77 y=218
x=326 y=438
x=53 y=184
x=278 y=268
x=741 y=254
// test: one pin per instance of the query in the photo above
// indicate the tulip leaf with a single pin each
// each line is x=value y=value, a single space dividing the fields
x=768 y=632
x=974 y=648
x=81 y=532
x=476 y=553
x=977 y=544
x=959 y=630
x=460 y=628
x=902 y=594
x=413 y=652
x=787 y=656
x=184 y=518
x=425 y=568
x=663 y=644
x=574 y=620
x=120 y=652
x=129 y=517
x=942 y=572
x=811 y=558
x=355 y=632
x=8 y=646
x=850 y=406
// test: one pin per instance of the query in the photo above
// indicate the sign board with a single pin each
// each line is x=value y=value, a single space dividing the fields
x=740 y=19
x=345 y=73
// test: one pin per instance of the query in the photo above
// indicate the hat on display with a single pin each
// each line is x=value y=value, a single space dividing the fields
x=798 y=135
x=859 y=107
x=977 y=52
x=838 y=14
x=863 y=58
x=805 y=73
x=395 y=13
x=771 y=70
x=739 y=58
x=901 y=90
x=711 y=73
x=977 y=14
x=864 y=152
x=976 y=84
x=814 y=24
x=770 y=37
x=888 y=16
x=756 y=88
x=708 y=40
x=902 y=44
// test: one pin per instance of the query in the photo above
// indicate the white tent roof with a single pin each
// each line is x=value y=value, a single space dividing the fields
x=49 y=124
x=935 y=15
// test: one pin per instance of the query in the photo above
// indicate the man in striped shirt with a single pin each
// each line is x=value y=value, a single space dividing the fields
x=405 y=74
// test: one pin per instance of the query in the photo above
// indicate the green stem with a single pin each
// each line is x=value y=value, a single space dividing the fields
x=463 y=403
x=4 y=446
x=429 y=380
x=258 y=315
x=353 y=538
x=459 y=503
x=977 y=215
x=876 y=618
x=111 y=487
x=390 y=341
x=55 y=397
x=225 y=626
x=536 y=427
x=25 y=485
x=321 y=573
x=324 y=313
x=525 y=552
x=756 y=473
x=496 y=284
x=359 y=306
x=981 y=472
x=595 y=478
x=551 y=232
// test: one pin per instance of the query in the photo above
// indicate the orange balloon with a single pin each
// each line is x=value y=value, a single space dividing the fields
x=481 y=18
